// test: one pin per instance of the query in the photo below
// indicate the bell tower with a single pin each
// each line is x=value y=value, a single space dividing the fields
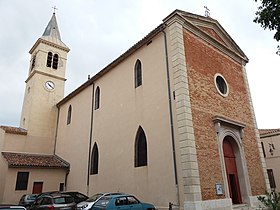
x=45 y=83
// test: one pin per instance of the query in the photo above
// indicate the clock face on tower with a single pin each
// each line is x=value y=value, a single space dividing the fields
x=49 y=85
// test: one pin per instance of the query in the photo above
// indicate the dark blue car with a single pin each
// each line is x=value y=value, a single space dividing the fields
x=121 y=202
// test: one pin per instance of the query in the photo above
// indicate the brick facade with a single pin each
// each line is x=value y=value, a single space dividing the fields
x=203 y=62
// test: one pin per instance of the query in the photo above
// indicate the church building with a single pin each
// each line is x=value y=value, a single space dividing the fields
x=170 y=120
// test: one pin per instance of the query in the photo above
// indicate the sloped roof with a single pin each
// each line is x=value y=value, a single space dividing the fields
x=52 y=33
x=25 y=160
x=52 y=28
x=14 y=130
x=269 y=132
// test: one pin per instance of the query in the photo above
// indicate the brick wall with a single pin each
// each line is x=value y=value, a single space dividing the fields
x=203 y=62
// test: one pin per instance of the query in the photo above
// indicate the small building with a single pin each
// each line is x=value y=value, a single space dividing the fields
x=270 y=141
x=170 y=120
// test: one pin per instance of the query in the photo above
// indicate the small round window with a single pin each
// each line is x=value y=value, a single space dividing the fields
x=221 y=85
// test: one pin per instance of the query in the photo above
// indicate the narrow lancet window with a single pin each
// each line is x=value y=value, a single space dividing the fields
x=69 y=115
x=49 y=59
x=140 y=148
x=97 y=98
x=33 y=62
x=94 y=160
x=55 y=61
x=138 y=73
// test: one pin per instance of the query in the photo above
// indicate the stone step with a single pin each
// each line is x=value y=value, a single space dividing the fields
x=240 y=207
x=244 y=207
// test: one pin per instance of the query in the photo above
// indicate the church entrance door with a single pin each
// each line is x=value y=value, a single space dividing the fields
x=231 y=170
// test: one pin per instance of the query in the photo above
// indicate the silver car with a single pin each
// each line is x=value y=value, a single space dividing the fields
x=55 y=201
x=87 y=204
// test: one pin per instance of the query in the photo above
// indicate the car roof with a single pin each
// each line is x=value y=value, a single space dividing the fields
x=55 y=195
x=118 y=195
x=72 y=193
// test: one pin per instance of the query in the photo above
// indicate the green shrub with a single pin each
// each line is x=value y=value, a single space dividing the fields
x=271 y=200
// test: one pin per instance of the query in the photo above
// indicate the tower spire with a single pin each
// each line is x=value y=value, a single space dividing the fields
x=52 y=34
x=52 y=28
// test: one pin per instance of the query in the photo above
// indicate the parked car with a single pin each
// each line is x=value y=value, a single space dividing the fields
x=121 y=202
x=78 y=197
x=11 y=207
x=87 y=204
x=54 y=201
x=27 y=200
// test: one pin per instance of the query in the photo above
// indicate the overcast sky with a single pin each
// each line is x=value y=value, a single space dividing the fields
x=98 y=31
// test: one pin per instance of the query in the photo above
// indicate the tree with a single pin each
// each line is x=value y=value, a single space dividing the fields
x=268 y=16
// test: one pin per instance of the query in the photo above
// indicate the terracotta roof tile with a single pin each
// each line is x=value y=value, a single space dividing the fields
x=269 y=131
x=18 y=160
x=14 y=130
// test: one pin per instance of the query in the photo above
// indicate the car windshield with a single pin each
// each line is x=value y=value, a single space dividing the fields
x=102 y=202
x=78 y=195
x=63 y=200
x=94 y=197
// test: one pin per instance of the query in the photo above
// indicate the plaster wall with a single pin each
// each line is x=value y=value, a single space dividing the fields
x=3 y=166
x=72 y=143
x=272 y=160
x=39 y=112
x=123 y=109
x=51 y=179
x=28 y=144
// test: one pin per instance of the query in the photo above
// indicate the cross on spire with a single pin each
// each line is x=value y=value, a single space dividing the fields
x=54 y=8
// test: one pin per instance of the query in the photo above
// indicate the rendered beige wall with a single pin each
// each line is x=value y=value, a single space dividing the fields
x=73 y=139
x=272 y=161
x=51 y=179
x=3 y=166
x=123 y=108
x=39 y=112
x=31 y=144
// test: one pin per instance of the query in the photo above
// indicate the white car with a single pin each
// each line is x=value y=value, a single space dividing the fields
x=11 y=207
x=87 y=204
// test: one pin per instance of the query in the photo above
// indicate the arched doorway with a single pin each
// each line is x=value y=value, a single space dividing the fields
x=231 y=170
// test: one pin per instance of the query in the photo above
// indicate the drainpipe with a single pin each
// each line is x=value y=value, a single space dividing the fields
x=90 y=137
x=171 y=115
x=56 y=131
x=54 y=149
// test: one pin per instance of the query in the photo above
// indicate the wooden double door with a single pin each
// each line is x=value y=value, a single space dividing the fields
x=231 y=170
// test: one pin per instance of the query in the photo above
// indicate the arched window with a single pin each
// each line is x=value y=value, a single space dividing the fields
x=69 y=115
x=49 y=59
x=94 y=160
x=97 y=98
x=138 y=73
x=33 y=62
x=55 y=61
x=140 y=148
